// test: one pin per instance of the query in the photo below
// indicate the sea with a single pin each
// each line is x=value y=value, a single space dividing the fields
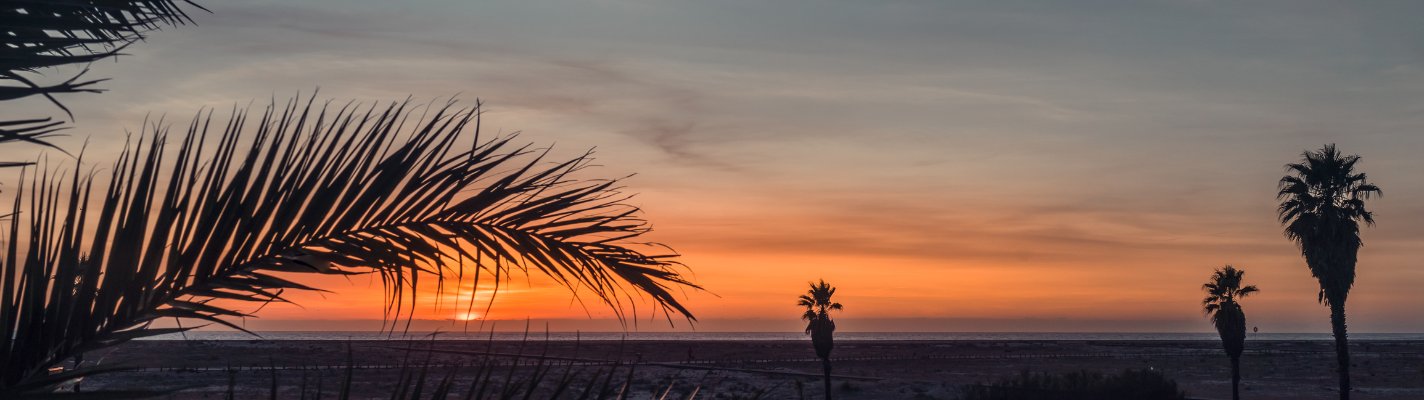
x=763 y=336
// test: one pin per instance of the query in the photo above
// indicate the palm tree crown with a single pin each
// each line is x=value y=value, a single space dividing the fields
x=818 y=304
x=1222 y=291
x=1322 y=204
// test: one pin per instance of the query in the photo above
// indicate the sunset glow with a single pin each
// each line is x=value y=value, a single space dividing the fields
x=961 y=167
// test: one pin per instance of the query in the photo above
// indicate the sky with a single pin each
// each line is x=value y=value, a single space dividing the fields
x=950 y=166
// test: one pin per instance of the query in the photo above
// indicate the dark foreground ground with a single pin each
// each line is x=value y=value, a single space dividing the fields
x=724 y=369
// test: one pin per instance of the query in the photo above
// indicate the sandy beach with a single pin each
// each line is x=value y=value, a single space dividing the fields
x=741 y=369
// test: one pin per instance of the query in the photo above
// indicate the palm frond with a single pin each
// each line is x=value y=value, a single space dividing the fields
x=38 y=35
x=1247 y=291
x=43 y=34
x=31 y=131
x=393 y=190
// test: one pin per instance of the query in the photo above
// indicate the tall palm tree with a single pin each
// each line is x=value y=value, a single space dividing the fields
x=401 y=191
x=819 y=324
x=1322 y=205
x=1222 y=293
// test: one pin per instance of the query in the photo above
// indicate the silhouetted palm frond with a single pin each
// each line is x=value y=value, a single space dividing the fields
x=30 y=130
x=303 y=189
x=40 y=34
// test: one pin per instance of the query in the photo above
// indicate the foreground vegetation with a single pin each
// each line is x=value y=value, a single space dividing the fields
x=396 y=190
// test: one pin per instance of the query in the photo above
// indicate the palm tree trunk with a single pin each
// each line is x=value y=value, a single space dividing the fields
x=1235 y=378
x=1342 y=346
x=826 y=366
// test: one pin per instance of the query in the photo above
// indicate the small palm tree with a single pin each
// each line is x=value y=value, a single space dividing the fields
x=1322 y=205
x=1222 y=293
x=819 y=324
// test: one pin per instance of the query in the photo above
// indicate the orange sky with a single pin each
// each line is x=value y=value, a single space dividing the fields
x=972 y=166
x=995 y=267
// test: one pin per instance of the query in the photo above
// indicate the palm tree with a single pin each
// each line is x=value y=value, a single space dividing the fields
x=1222 y=293
x=1322 y=205
x=819 y=325
x=401 y=191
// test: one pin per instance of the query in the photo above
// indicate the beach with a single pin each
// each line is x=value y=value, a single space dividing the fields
x=776 y=369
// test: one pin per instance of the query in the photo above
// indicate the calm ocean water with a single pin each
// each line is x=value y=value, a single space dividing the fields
x=749 y=336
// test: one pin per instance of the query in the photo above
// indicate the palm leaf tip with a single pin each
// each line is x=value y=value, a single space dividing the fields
x=185 y=226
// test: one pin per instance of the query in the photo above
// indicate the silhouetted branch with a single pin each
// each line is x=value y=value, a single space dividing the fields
x=40 y=34
x=305 y=189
